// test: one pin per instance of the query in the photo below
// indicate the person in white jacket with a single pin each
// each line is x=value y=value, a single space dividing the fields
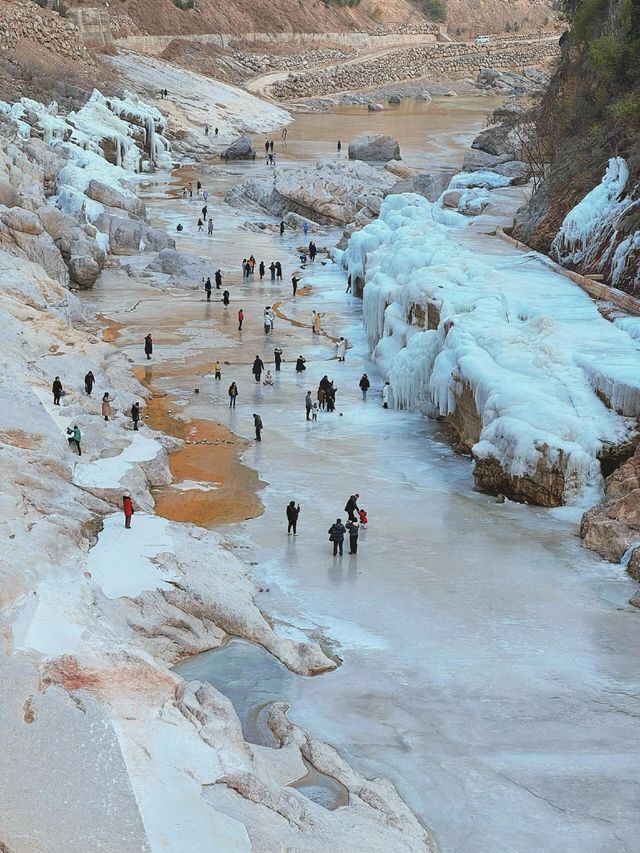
x=386 y=395
x=341 y=349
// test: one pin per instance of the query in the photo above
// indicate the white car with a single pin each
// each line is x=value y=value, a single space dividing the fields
x=483 y=39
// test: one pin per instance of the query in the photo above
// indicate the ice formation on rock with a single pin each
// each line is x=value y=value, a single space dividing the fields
x=590 y=236
x=537 y=384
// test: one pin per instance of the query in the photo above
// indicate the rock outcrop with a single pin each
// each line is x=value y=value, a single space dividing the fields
x=240 y=149
x=333 y=192
x=613 y=526
x=374 y=147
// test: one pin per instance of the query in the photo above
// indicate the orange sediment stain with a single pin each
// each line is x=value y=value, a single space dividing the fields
x=210 y=455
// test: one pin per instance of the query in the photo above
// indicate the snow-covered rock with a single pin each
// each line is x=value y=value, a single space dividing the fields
x=374 y=147
x=595 y=235
x=332 y=192
x=538 y=385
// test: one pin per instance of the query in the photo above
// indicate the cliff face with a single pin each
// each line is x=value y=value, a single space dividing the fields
x=590 y=124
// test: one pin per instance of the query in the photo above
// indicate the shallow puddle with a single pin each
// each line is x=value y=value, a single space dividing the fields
x=253 y=679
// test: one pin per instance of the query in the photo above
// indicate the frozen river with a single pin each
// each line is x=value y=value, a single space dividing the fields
x=489 y=663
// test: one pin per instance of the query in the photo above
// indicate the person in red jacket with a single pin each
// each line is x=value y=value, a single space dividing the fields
x=240 y=319
x=127 y=508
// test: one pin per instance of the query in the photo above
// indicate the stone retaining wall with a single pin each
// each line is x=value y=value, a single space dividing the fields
x=448 y=60
x=24 y=20
x=155 y=45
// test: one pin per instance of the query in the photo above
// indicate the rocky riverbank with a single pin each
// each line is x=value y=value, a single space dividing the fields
x=94 y=615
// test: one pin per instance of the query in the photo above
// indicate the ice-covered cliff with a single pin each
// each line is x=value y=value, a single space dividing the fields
x=539 y=387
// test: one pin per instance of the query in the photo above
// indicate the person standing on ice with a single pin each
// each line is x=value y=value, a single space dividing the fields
x=278 y=270
x=257 y=423
x=74 y=437
x=200 y=225
x=218 y=278
x=106 y=406
x=205 y=211
x=272 y=270
x=354 y=528
x=317 y=322
x=207 y=288
x=233 y=395
x=198 y=187
x=336 y=535
x=272 y=318
x=261 y=270
x=295 y=278
x=257 y=369
x=351 y=507
x=339 y=146
x=135 y=415
x=217 y=370
x=89 y=381
x=277 y=357
x=386 y=395
x=305 y=227
x=300 y=366
x=148 y=346
x=267 y=321
x=341 y=349
x=293 y=511
x=210 y=227
x=215 y=132
x=225 y=298
x=57 y=390
x=308 y=405
x=206 y=130
x=281 y=227
x=127 y=509
x=364 y=385
x=240 y=319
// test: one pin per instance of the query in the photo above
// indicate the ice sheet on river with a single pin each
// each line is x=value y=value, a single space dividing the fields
x=519 y=359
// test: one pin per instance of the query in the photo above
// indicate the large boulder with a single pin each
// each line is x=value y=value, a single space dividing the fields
x=496 y=140
x=519 y=171
x=240 y=149
x=479 y=161
x=112 y=196
x=125 y=235
x=424 y=183
x=21 y=220
x=374 y=147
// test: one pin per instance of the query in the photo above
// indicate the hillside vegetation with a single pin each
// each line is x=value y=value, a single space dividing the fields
x=590 y=114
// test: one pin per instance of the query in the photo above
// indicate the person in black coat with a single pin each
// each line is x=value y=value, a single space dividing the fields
x=57 y=390
x=336 y=535
x=207 y=288
x=261 y=270
x=278 y=270
x=258 y=367
x=354 y=528
x=218 y=278
x=135 y=415
x=89 y=381
x=293 y=511
x=365 y=384
x=300 y=364
x=277 y=355
x=352 y=507
x=257 y=422
x=148 y=345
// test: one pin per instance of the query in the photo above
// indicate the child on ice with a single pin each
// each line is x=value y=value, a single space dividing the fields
x=363 y=517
